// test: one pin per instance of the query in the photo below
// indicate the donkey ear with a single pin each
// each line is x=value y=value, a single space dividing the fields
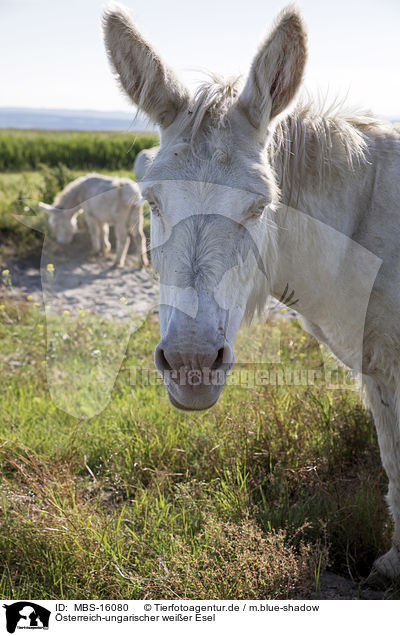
x=45 y=206
x=277 y=70
x=150 y=84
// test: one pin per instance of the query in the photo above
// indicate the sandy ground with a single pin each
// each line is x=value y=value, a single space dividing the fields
x=94 y=285
x=89 y=284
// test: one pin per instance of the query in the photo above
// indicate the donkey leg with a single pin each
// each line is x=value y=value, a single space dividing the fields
x=95 y=233
x=122 y=240
x=105 y=231
x=141 y=240
x=139 y=237
x=381 y=400
x=136 y=230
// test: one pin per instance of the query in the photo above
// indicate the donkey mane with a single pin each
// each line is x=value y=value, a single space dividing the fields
x=309 y=146
x=312 y=147
x=212 y=101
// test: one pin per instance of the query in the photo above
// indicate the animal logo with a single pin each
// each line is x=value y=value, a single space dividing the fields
x=26 y=615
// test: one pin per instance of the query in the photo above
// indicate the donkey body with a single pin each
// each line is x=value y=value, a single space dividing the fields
x=104 y=201
x=245 y=203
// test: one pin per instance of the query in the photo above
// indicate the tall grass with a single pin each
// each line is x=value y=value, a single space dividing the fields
x=251 y=499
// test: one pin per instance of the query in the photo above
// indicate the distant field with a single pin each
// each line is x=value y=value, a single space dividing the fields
x=28 y=149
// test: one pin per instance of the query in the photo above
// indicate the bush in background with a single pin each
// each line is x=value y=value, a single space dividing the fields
x=28 y=149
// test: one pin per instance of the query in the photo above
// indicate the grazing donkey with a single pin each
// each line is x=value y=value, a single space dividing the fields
x=104 y=201
x=246 y=203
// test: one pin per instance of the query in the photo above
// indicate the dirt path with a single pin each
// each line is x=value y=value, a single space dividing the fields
x=334 y=587
x=94 y=285
x=89 y=284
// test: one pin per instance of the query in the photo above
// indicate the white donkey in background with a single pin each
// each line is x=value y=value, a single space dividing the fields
x=225 y=234
x=104 y=201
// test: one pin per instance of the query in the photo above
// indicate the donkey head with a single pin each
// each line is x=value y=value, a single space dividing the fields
x=63 y=222
x=211 y=193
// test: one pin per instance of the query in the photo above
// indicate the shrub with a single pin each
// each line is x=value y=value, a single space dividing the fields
x=27 y=150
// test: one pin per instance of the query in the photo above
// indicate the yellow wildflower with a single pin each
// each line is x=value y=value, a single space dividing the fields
x=30 y=297
x=50 y=267
x=122 y=299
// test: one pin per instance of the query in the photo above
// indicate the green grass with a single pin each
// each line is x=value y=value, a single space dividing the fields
x=27 y=149
x=251 y=499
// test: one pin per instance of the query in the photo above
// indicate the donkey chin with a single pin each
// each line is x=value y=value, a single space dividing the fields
x=191 y=389
x=194 y=399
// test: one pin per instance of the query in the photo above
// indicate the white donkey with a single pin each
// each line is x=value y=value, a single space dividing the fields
x=104 y=201
x=223 y=190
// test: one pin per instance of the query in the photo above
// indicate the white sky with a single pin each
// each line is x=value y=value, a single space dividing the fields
x=52 y=55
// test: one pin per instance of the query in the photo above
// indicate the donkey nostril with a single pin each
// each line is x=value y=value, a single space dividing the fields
x=167 y=361
x=161 y=361
x=219 y=359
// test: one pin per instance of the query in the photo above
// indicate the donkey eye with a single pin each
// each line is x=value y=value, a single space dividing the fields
x=155 y=208
x=258 y=208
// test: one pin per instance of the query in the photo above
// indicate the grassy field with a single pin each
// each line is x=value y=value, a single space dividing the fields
x=252 y=499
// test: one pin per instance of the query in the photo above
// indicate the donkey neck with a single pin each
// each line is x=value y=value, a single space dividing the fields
x=321 y=164
x=329 y=278
x=319 y=265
